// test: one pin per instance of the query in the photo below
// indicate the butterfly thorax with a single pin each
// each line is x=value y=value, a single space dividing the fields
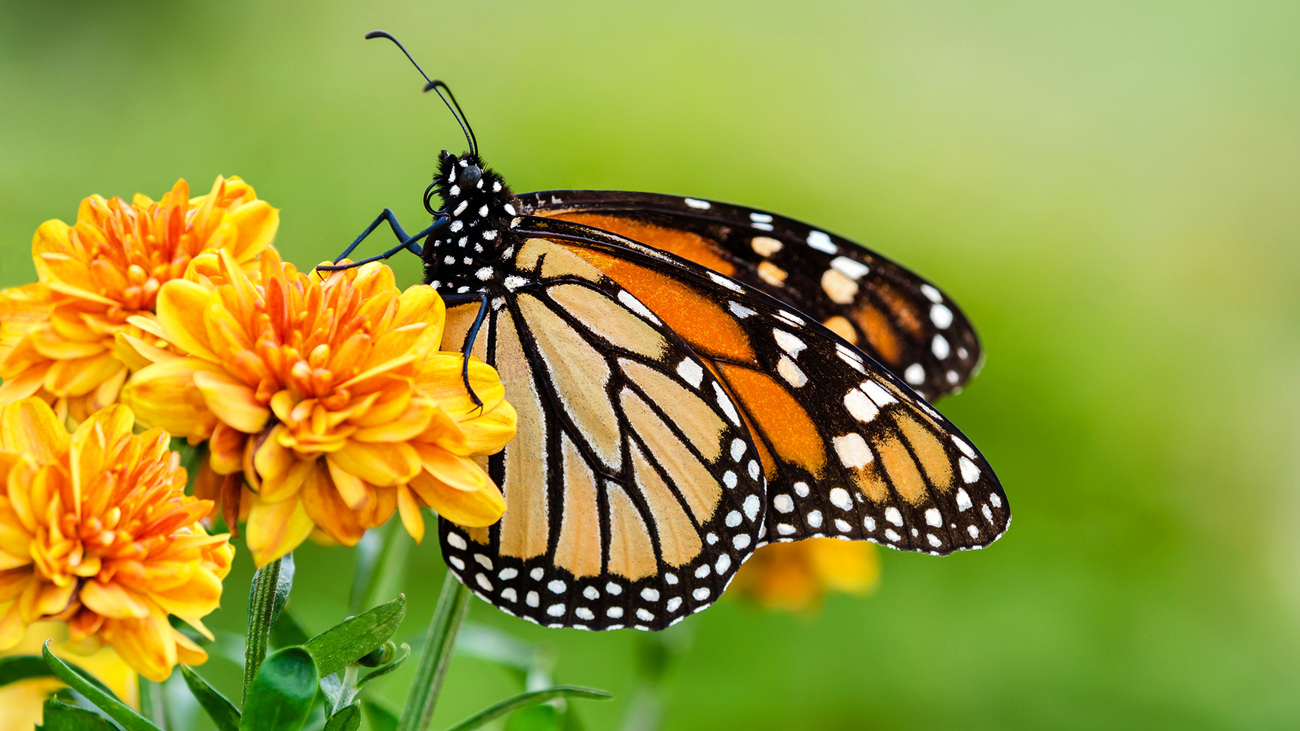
x=460 y=257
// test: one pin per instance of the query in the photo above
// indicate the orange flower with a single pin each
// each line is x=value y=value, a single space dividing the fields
x=328 y=393
x=796 y=576
x=96 y=531
x=23 y=701
x=57 y=336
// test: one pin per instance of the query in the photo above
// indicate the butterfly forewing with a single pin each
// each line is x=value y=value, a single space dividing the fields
x=632 y=488
x=848 y=450
x=901 y=320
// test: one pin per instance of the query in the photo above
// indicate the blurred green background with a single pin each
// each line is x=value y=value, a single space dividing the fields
x=1111 y=190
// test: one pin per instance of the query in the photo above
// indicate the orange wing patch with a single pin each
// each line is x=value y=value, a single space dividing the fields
x=880 y=333
x=696 y=318
x=782 y=419
x=685 y=244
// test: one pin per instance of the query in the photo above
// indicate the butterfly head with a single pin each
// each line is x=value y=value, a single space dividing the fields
x=478 y=207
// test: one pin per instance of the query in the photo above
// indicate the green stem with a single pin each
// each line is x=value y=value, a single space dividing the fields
x=453 y=603
x=261 y=602
x=152 y=705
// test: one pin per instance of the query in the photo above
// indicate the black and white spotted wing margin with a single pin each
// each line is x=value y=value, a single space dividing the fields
x=894 y=471
x=632 y=493
x=900 y=319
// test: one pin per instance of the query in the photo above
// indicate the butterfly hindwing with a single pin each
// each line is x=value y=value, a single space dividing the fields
x=847 y=448
x=631 y=499
x=901 y=320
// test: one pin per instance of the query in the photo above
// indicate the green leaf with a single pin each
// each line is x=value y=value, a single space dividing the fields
x=283 y=583
x=403 y=652
x=59 y=716
x=523 y=700
x=282 y=692
x=355 y=637
x=380 y=715
x=223 y=713
x=263 y=594
x=347 y=719
x=110 y=705
x=22 y=667
x=16 y=668
x=536 y=718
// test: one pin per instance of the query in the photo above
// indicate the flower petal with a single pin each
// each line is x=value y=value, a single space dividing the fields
x=30 y=428
x=473 y=509
x=384 y=464
x=408 y=506
x=232 y=401
x=182 y=307
x=165 y=395
x=274 y=529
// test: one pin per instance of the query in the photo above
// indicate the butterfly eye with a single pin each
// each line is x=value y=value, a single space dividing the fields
x=469 y=176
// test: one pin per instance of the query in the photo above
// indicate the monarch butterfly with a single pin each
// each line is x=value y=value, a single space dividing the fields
x=693 y=380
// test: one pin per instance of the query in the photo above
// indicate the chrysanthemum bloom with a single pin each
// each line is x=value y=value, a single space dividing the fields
x=328 y=393
x=797 y=576
x=22 y=703
x=96 y=531
x=57 y=336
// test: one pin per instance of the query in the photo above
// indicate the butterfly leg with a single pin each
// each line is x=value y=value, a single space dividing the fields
x=482 y=298
x=404 y=241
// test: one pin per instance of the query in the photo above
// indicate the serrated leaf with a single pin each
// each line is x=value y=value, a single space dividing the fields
x=355 y=637
x=106 y=702
x=347 y=719
x=523 y=700
x=282 y=692
x=380 y=716
x=223 y=713
x=59 y=716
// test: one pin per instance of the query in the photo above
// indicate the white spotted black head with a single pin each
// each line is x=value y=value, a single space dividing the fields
x=478 y=208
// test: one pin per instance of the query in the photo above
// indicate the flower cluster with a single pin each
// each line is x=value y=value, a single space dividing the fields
x=57 y=336
x=96 y=531
x=326 y=394
x=797 y=576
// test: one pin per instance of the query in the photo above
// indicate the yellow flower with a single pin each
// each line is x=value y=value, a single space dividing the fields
x=97 y=532
x=796 y=576
x=23 y=701
x=328 y=393
x=57 y=336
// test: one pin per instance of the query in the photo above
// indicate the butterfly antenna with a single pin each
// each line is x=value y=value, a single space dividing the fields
x=437 y=86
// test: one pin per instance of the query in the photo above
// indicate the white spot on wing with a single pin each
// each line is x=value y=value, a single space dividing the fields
x=635 y=305
x=969 y=472
x=790 y=372
x=740 y=310
x=698 y=205
x=821 y=242
x=725 y=404
x=941 y=316
x=788 y=342
x=718 y=278
x=915 y=374
x=691 y=372
x=851 y=268
x=860 y=407
x=852 y=450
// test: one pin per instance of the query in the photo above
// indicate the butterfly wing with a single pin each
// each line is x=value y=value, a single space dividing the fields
x=628 y=498
x=895 y=316
x=847 y=448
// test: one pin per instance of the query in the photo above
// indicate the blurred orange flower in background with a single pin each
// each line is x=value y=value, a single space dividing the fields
x=97 y=532
x=328 y=394
x=57 y=335
x=21 y=703
x=797 y=576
